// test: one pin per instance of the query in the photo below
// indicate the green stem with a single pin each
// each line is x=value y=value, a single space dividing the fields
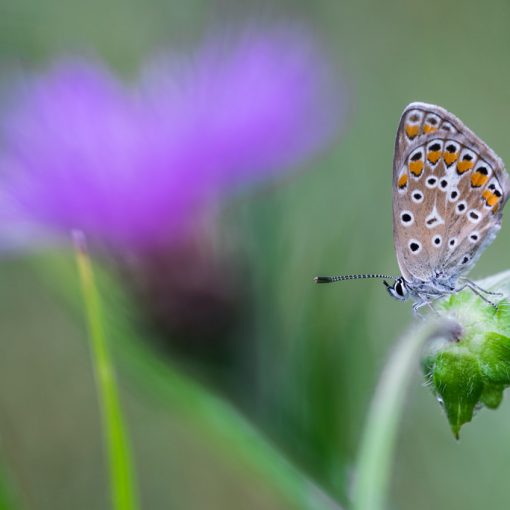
x=9 y=499
x=122 y=487
x=378 y=441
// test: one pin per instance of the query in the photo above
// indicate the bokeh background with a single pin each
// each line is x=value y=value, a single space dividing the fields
x=283 y=395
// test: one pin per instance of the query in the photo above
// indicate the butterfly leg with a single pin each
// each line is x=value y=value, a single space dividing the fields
x=477 y=287
x=424 y=301
x=416 y=307
x=474 y=289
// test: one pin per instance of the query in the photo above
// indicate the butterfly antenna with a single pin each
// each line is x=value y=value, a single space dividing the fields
x=341 y=278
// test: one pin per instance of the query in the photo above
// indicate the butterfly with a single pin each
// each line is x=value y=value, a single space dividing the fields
x=449 y=190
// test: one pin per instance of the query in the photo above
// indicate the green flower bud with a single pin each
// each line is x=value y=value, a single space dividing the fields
x=458 y=383
x=473 y=369
x=495 y=358
x=492 y=395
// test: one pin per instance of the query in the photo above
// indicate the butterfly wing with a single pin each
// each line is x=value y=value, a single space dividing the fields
x=449 y=190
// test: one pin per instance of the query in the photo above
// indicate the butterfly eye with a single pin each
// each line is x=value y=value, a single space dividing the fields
x=398 y=290
x=452 y=242
x=437 y=241
x=401 y=289
x=473 y=238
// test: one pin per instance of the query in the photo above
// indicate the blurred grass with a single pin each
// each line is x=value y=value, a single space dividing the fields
x=318 y=350
x=8 y=496
x=222 y=429
x=122 y=477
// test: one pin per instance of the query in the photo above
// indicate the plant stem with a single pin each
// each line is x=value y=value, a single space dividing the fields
x=122 y=487
x=9 y=498
x=379 y=438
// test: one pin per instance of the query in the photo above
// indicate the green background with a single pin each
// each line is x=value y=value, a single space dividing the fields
x=314 y=353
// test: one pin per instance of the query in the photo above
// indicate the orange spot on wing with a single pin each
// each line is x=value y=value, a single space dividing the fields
x=433 y=156
x=402 y=182
x=478 y=179
x=464 y=166
x=450 y=157
x=492 y=200
x=416 y=167
x=427 y=128
x=412 y=130
x=486 y=194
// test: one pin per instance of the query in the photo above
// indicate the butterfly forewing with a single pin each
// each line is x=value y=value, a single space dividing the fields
x=449 y=192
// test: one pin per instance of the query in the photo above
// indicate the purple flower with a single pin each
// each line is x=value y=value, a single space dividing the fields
x=135 y=165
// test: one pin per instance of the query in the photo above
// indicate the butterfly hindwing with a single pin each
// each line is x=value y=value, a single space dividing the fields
x=419 y=120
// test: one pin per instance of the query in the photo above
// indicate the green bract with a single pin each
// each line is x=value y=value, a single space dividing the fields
x=472 y=369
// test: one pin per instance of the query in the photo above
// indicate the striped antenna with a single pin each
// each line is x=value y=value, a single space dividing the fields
x=341 y=278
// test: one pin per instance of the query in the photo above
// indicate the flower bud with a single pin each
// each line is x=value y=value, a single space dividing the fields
x=492 y=395
x=473 y=369
x=495 y=358
x=458 y=382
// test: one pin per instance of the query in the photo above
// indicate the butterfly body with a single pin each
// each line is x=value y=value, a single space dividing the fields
x=449 y=190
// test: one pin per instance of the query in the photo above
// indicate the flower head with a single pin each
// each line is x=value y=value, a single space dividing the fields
x=134 y=165
x=472 y=369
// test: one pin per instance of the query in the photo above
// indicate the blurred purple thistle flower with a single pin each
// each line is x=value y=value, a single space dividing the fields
x=135 y=166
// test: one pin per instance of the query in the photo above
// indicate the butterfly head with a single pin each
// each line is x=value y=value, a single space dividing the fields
x=399 y=290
